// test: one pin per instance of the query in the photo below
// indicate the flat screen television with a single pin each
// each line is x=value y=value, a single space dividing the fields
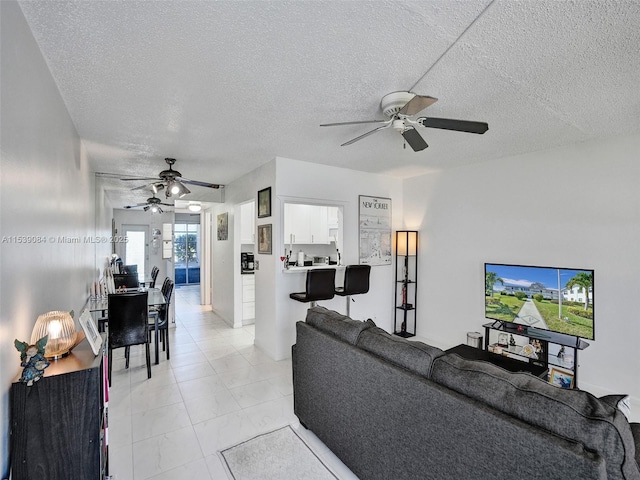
x=546 y=298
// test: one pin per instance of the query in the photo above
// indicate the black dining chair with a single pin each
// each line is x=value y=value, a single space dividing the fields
x=163 y=318
x=320 y=285
x=125 y=280
x=128 y=325
x=356 y=282
x=129 y=269
x=163 y=289
x=154 y=274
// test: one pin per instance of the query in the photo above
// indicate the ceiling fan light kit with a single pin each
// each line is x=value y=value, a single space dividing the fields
x=176 y=188
x=399 y=107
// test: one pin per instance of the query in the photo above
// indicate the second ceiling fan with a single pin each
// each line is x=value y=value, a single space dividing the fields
x=399 y=107
x=152 y=203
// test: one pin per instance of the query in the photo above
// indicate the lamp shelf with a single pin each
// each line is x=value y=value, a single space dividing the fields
x=406 y=274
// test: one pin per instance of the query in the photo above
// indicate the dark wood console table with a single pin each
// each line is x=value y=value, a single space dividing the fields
x=472 y=353
x=59 y=425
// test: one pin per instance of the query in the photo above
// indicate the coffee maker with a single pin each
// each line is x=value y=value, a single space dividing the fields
x=246 y=262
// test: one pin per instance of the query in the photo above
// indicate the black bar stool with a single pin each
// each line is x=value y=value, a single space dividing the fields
x=321 y=284
x=356 y=282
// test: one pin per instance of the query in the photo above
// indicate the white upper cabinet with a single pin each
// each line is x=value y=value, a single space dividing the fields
x=247 y=222
x=319 y=224
x=305 y=224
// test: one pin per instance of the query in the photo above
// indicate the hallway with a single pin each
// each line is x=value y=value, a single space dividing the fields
x=216 y=390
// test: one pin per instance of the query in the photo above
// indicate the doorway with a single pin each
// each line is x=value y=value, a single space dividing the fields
x=135 y=252
x=187 y=252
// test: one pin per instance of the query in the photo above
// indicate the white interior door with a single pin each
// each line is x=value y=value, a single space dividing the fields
x=136 y=249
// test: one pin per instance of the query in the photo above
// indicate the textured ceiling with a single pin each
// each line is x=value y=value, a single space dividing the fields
x=225 y=86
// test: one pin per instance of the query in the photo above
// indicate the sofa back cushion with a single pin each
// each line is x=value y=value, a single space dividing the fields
x=415 y=356
x=335 y=324
x=572 y=414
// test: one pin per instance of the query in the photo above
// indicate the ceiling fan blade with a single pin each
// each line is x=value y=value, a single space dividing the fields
x=414 y=139
x=451 y=124
x=354 y=123
x=136 y=205
x=417 y=104
x=200 y=184
x=146 y=185
x=166 y=204
x=139 y=179
x=365 y=135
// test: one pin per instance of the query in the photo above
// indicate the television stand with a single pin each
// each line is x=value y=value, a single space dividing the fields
x=472 y=353
x=556 y=352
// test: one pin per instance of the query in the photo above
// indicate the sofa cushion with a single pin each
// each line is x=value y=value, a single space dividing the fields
x=338 y=325
x=415 y=356
x=571 y=414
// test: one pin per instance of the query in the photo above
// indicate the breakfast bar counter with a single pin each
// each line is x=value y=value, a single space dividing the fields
x=312 y=267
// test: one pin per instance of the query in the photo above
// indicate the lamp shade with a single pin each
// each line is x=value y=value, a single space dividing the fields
x=406 y=242
x=60 y=328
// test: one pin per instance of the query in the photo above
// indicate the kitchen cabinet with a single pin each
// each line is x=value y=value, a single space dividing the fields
x=248 y=298
x=247 y=223
x=305 y=224
x=332 y=217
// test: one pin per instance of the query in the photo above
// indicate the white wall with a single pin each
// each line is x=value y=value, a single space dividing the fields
x=577 y=206
x=298 y=180
x=226 y=253
x=47 y=192
x=276 y=313
x=308 y=181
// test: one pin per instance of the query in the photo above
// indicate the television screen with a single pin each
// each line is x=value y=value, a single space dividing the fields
x=547 y=298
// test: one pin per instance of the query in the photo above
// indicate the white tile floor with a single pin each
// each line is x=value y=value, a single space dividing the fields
x=217 y=390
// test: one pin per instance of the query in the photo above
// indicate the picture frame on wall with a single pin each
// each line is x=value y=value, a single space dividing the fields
x=223 y=226
x=374 y=218
x=264 y=239
x=264 y=202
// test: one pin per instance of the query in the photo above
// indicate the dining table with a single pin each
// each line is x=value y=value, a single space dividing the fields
x=155 y=299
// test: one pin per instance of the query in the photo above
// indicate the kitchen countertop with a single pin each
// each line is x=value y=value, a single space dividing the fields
x=312 y=267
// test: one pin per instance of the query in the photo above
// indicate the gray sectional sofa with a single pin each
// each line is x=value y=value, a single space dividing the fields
x=396 y=409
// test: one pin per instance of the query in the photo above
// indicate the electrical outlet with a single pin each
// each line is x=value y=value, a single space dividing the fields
x=257 y=265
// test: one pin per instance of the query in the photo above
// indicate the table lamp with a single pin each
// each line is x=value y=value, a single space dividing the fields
x=61 y=330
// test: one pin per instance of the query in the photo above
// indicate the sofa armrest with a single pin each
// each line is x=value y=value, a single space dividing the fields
x=635 y=431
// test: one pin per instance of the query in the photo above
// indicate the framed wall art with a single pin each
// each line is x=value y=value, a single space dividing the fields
x=374 y=217
x=264 y=239
x=223 y=226
x=264 y=203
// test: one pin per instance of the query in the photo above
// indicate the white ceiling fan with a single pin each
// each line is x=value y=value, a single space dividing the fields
x=399 y=107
